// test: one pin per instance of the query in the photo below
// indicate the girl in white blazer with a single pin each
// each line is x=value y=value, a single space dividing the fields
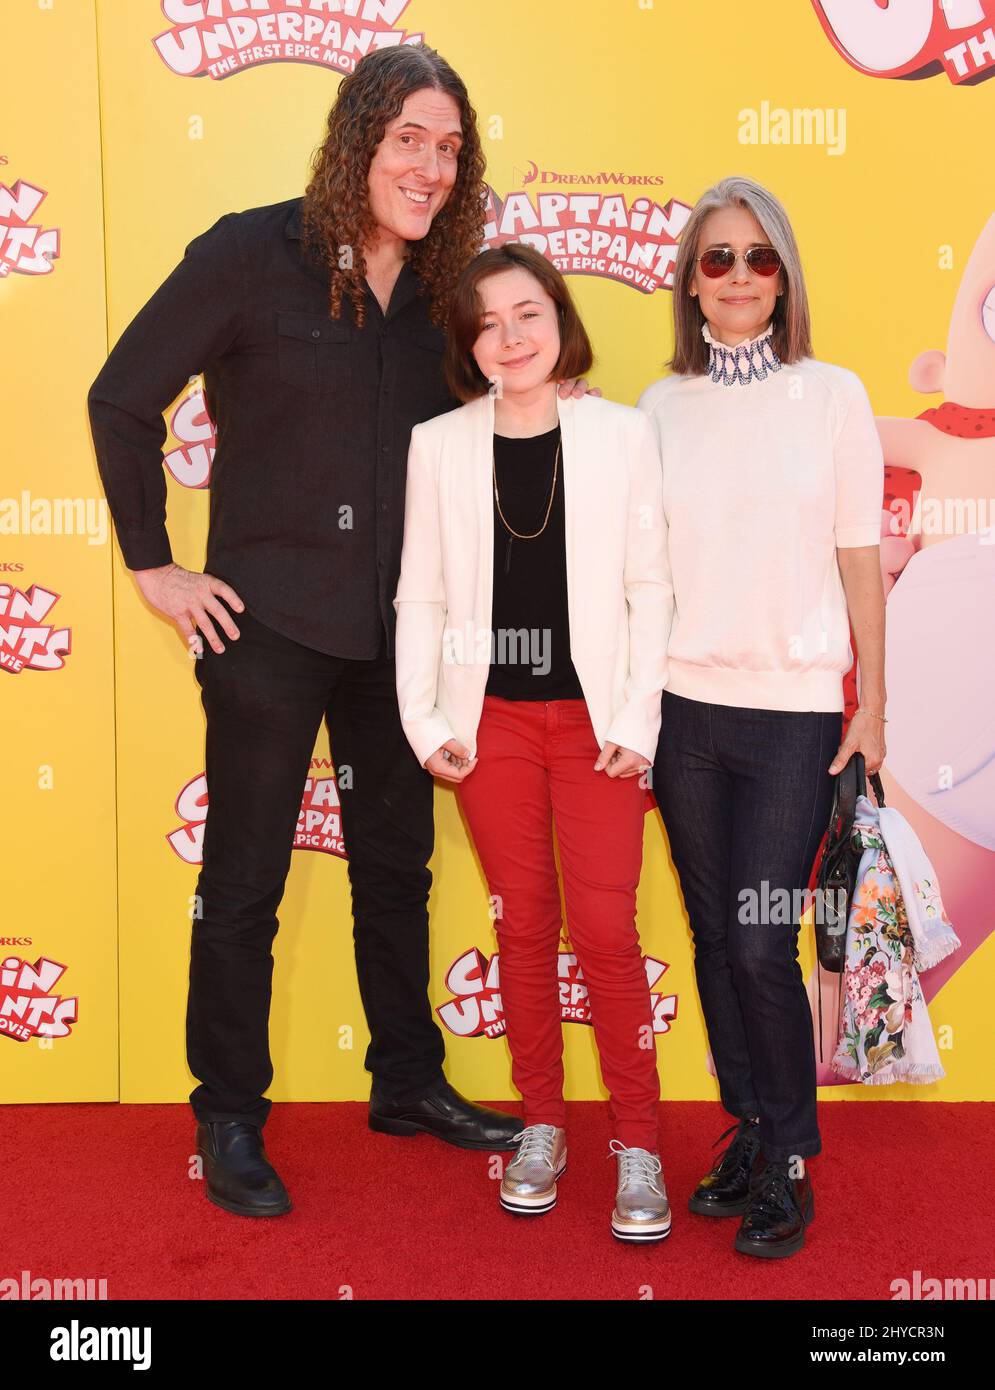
x=533 y=612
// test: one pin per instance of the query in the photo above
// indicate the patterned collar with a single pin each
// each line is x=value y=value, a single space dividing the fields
x=751 y=360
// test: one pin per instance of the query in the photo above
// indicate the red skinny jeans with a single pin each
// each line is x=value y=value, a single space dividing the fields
x=536 y=766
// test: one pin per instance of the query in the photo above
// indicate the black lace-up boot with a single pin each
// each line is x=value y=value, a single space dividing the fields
x=725 y=1190
x=780 y=1208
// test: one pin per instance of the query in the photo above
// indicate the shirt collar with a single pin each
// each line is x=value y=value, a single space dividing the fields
x=752 y=359
x=406 y=286
x=731 y=347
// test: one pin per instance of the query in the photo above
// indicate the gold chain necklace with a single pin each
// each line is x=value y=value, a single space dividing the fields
x=522 y=536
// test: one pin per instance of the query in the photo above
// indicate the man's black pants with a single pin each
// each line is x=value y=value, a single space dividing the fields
x=265 y=697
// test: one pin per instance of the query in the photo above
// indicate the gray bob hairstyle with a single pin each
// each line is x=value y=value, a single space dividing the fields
x=792 y=338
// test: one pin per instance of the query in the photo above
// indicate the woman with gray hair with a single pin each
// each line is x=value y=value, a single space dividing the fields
x=773 y=489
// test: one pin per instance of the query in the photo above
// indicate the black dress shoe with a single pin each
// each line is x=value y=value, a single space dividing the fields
x=780 y=1208
x=725 y=1191
x=447 y=1115
x=239 y=1176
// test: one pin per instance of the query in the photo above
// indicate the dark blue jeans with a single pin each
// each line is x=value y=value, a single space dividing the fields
x=745 y=798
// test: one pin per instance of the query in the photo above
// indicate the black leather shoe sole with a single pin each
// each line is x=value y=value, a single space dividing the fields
x=702 y=1207
x=776 y=1250
x=409 y=1128
x=239 y=1209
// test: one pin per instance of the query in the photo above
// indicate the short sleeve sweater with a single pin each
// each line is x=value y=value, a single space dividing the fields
x=762 y=481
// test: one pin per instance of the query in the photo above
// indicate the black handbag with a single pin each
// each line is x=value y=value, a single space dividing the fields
x=837 y=873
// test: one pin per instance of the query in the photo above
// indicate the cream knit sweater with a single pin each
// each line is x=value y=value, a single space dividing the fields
x=762 y=481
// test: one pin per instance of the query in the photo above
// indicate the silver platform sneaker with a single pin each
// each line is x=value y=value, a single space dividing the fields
x=529 y=1183
x=642 y=1211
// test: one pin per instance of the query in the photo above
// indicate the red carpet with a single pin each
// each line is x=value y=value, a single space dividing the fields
x=101 y=1191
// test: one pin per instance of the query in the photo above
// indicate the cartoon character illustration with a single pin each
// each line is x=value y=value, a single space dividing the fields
x=939 y=576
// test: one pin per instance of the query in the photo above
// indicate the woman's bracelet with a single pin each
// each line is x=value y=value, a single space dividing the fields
x=860 y=710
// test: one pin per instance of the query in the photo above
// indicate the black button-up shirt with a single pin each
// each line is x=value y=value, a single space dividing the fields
x=313 y=418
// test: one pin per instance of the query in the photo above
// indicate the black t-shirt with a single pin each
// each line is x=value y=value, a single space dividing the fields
x=530 y=652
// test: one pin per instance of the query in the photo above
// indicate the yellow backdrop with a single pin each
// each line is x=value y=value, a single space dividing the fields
x=641 y=105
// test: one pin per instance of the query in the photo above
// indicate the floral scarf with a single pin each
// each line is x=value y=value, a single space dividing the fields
x=885 y=1031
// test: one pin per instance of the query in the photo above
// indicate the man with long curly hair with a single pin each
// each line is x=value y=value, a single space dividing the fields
x=318 y=326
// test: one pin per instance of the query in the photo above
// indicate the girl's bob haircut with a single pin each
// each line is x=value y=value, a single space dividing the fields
x=464 y=377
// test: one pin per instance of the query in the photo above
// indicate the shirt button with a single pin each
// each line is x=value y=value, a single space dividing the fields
x=383 y=506
x=315 y=332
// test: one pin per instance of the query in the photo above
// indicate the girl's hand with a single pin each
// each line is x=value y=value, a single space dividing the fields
x=864 y=734
x=620 y=762
x=451 y=762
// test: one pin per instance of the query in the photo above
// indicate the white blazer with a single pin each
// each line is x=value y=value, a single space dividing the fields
x=619 y=591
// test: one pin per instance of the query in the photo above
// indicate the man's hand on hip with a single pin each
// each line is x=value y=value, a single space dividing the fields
x=190 y=600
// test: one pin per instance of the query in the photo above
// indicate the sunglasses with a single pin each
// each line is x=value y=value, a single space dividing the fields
x=719 y=260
